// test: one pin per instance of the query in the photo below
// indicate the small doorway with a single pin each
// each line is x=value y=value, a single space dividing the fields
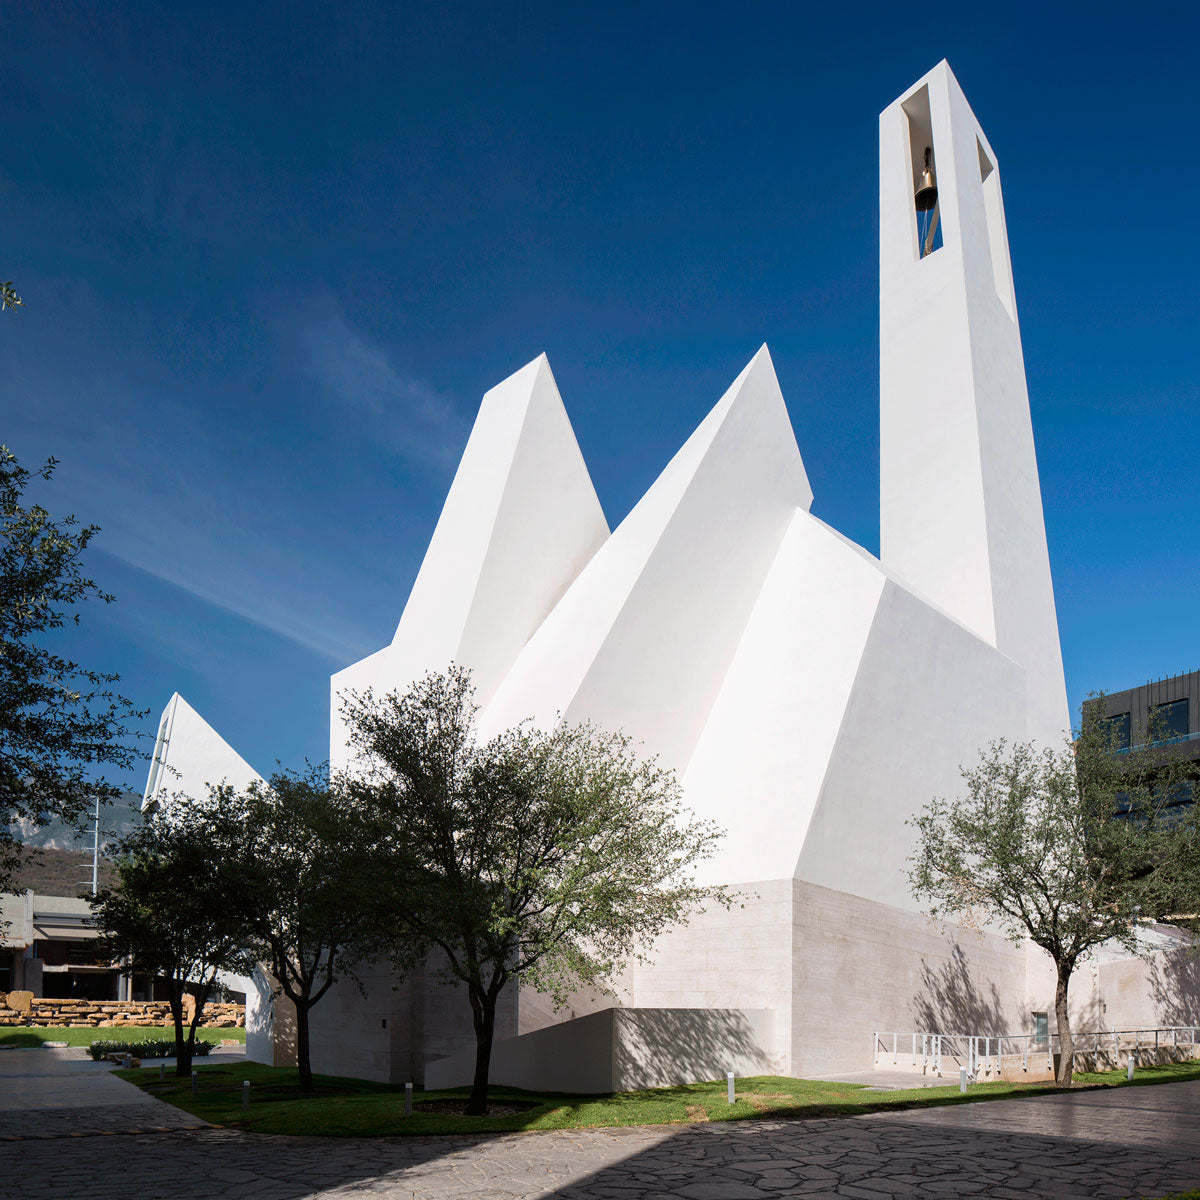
x=1041 y=1028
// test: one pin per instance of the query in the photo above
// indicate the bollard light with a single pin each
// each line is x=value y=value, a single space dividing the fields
x=729 y=1085
x=245 y=1094
x=408 y=1099
x=962 y=1079
x=1130 y=1066
x=162 y=1070
x=194 y=1079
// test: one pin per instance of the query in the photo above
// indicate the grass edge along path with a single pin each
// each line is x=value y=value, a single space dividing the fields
x=22 y=1037
x=359 y=1108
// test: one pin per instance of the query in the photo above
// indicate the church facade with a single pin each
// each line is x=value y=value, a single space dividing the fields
x=811 y=696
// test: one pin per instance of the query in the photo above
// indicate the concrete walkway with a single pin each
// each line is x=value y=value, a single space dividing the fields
x=892 y=1080
x=62 y=1093
x=1131 y=1142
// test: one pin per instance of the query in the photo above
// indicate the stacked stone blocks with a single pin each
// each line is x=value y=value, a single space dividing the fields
x=23 y=1008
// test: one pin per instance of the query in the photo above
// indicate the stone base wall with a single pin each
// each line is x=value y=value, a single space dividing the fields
x=623 y=1050
x=19 y=1008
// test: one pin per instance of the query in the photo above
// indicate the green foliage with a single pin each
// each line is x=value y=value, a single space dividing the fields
x=547 y=857
x=148 y=1048
x=8 y=296
x=59 y=721
x=1068 y=848
x=309 y=911
x=179 y=909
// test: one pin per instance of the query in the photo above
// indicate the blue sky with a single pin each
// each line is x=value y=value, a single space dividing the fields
x=273 y=255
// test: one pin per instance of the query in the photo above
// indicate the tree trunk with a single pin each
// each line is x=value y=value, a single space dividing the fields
x=198 y=1003
x=1066 y=1043
x=302 y=1061
x=183 y=1052
x=483 y=1008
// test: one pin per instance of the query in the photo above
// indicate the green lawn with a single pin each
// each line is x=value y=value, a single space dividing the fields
x=35 y=1035
x=353 y=1107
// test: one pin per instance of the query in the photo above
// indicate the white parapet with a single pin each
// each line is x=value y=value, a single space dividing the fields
x=624 y=1050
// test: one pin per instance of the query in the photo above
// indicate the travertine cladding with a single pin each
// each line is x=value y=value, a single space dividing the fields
x=860 y=966
x=391 y=1028
x=735 y=958
x=623 y=1050
x=1159 y=988
x=111 y=1013
x=835 y=968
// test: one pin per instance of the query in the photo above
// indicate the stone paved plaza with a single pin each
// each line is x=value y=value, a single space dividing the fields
x=1128 y=1142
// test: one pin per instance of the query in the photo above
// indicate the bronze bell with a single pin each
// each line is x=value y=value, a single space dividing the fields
x=927 y=189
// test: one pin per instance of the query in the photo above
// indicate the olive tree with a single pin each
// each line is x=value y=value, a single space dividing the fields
x=309 y=907
x=549 y=858
x=178 y=910
x=1068 y=847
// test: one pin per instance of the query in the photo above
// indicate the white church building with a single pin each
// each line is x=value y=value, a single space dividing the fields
x=811 y=697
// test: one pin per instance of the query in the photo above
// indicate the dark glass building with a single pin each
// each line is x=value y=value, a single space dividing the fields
x=1165 y=712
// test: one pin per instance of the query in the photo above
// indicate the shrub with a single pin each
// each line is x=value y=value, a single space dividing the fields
x=150 y=1048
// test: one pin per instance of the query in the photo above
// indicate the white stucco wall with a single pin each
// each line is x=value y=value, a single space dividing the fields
x=960 y=504
x=642 y=639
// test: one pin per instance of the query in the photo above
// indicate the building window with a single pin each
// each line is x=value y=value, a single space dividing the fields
x=1041 y=1028
x=1169 y=720
x=1118 y=731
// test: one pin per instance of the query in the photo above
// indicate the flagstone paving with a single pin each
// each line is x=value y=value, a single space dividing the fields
x=1129 y=1142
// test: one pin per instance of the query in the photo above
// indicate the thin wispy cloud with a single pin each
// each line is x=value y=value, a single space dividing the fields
x=234 y=587
x=415 y=417
x=175 y=500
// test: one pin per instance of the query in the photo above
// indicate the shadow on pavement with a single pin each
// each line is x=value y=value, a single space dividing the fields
x=1123 y=1142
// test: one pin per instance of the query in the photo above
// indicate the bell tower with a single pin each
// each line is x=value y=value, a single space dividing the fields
x=960 y=504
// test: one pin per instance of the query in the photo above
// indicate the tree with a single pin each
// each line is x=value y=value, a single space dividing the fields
x=58 y=721
x=178 y=910
x=309 y=911
x=8 y=296
x=546 y=858
x=1068 y=848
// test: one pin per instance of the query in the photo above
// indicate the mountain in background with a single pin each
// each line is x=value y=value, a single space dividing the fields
x=116 y=820
x=60 y=872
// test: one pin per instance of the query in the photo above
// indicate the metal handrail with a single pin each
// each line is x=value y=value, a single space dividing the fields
x=986 y=1050
x=1170 y=741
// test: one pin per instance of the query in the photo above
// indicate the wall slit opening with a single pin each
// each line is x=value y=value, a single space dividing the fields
x=993 y=205
x=922 y=156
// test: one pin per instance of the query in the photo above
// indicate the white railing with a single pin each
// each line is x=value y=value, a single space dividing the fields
x=982 y=1053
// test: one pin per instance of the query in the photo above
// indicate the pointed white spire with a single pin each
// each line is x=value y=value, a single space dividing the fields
x=642 y=638
x=190 y=757
x=521 y=520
